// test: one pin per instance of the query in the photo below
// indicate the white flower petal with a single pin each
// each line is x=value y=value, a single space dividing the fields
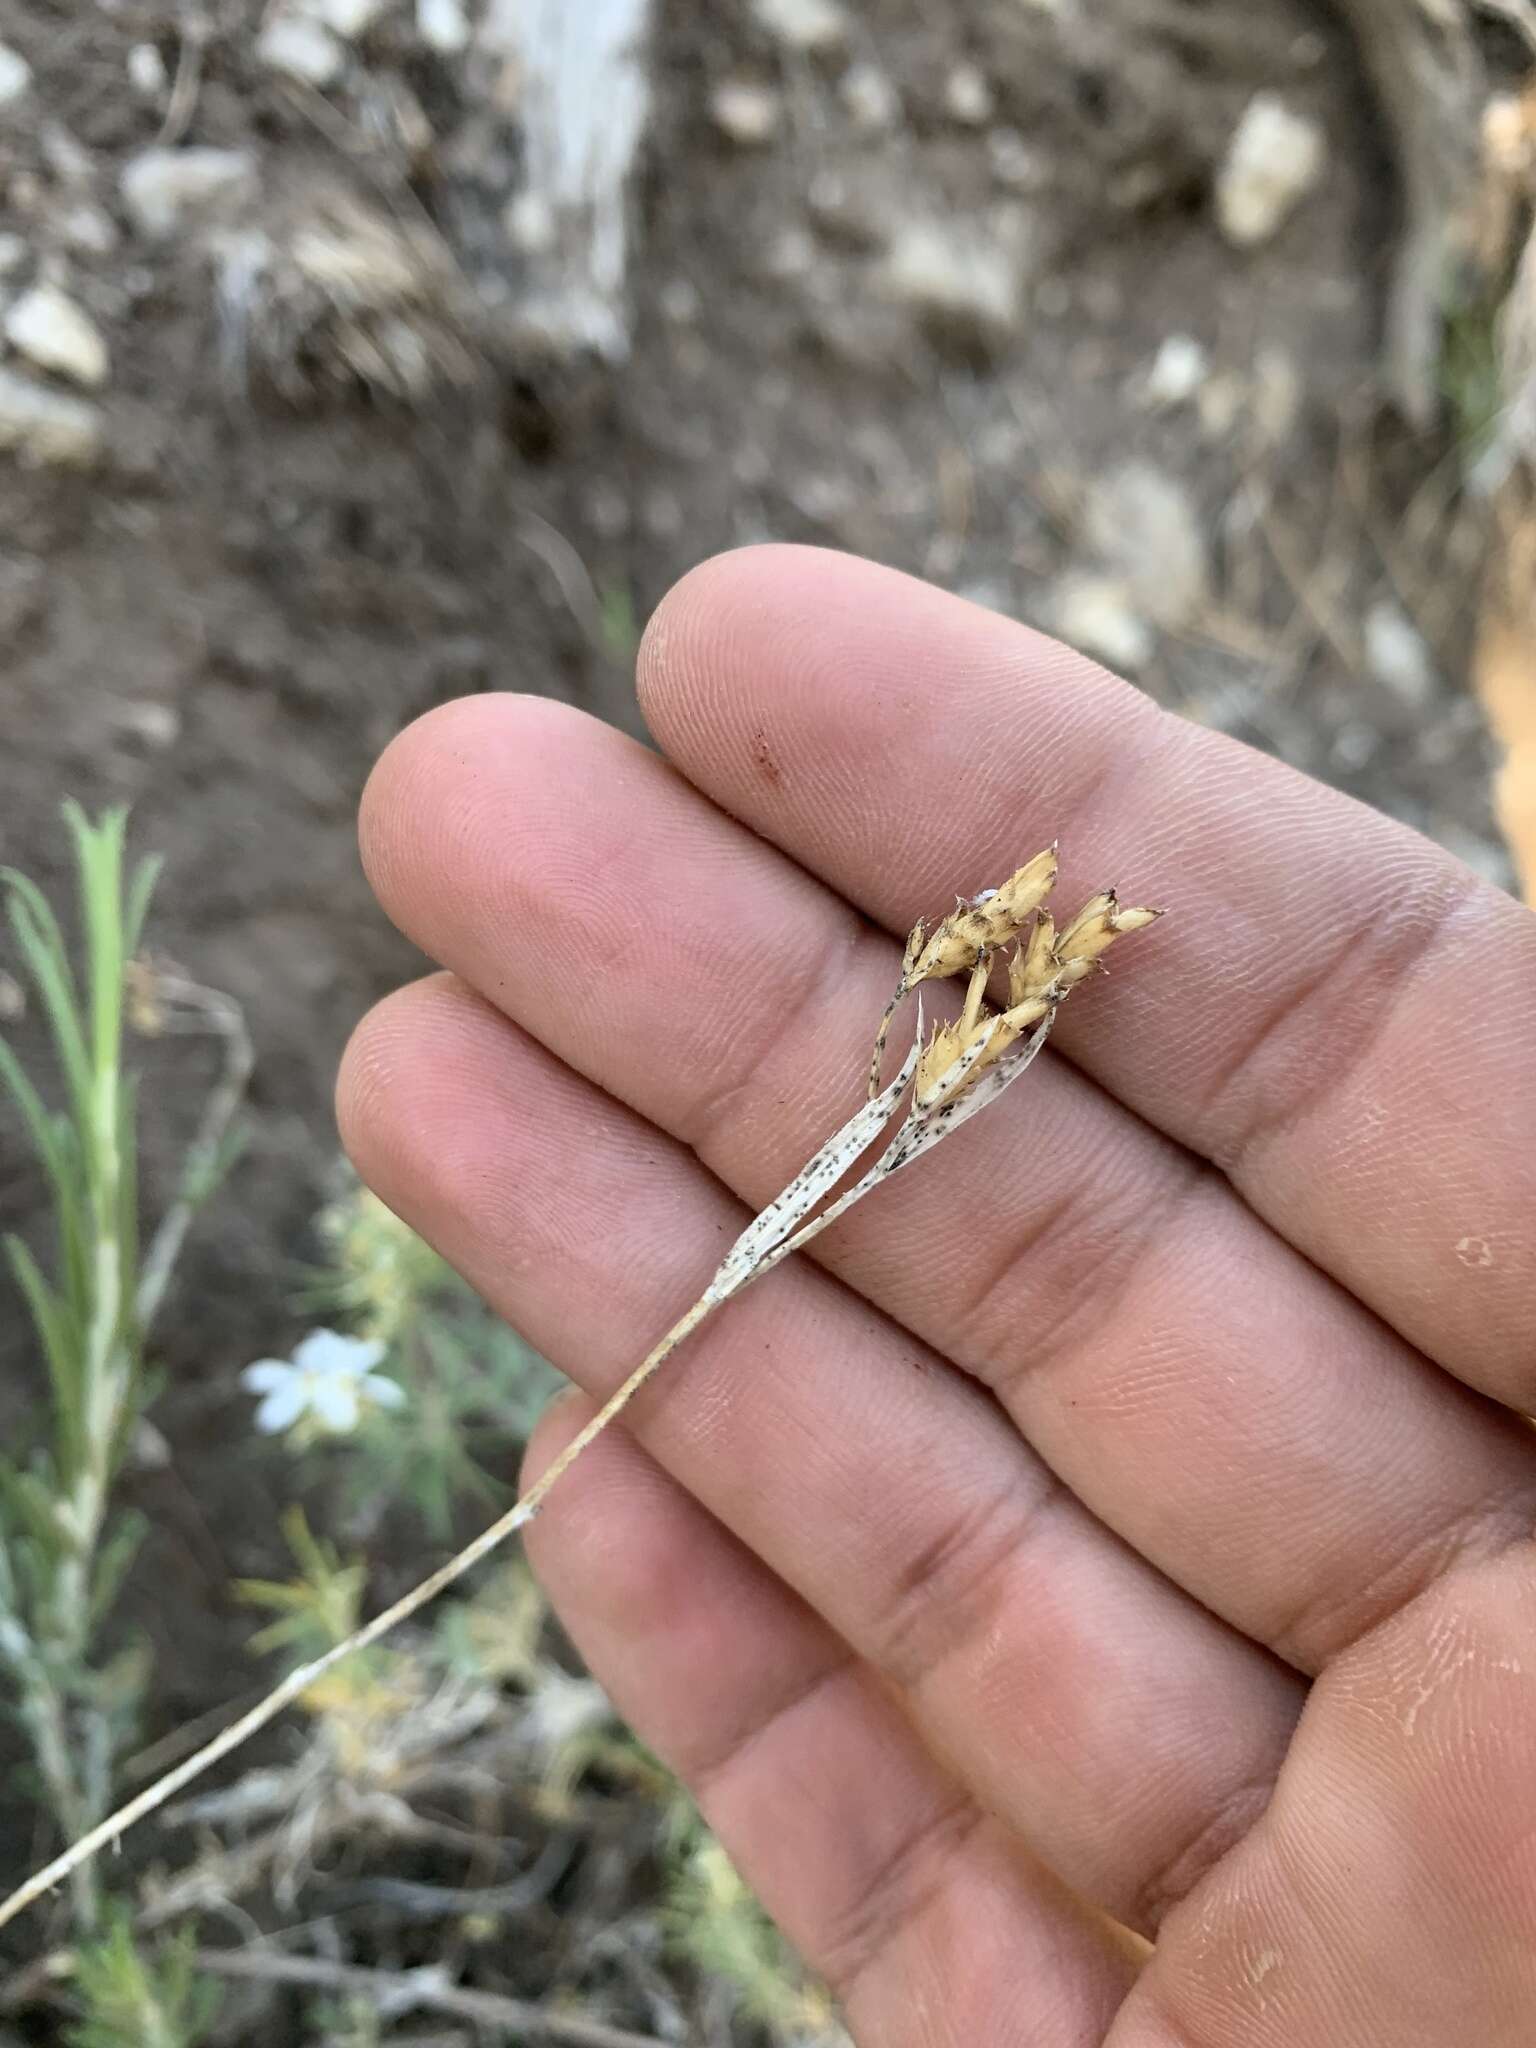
x=266 y=1374
x=381 y=1390
x=332 y=1354
x=283 y=1406
x=334 y=1400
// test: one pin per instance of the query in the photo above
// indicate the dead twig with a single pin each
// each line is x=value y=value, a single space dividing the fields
x=187 y=83
x=424 y=1990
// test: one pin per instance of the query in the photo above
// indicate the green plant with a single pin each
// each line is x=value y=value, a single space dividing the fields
x=317 y=1608
x=472 y=1388
x=130 y=1998
x=1471 y=374
x=714 y=1920
x=64 y=1550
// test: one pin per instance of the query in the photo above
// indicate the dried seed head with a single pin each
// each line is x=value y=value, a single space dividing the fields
x=1024 y=1016
x=1097 y=925
x=951 y=1057
x=980 y=927
x=1033 y=967
x=1045 y=966
x=957 y=1053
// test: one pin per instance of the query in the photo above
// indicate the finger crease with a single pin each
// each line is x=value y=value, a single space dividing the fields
x=1392 y=950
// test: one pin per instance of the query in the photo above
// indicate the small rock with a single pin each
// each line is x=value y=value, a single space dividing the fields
x=149 y=1449
x=1145 y=527
x=47 y=327
x=443 y=26
x=1274 y=160
x=968 y=96
x=155 y=726
x=89 y=228
x=1014 y=163
x=15 y=74
x=873 y=103
x=301 y=48
x=66 y=155
x=749 y=114
x=13 y=998
x=146 y=71
x=1095 y=614
x=166 y=191
x=1178 y=370
x=1354 y=746
x=47 y=427
x=1398 y=654
x=13 y=253
x=967 y=287
x=810 y=25
x=348 y=18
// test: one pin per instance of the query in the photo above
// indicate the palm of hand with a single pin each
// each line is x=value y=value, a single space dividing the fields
x=1127 y=1513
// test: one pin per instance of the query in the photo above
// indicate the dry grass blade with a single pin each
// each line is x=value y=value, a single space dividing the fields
x=962 y=1068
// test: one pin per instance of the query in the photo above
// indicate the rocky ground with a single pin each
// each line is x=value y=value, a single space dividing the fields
x=330 y=389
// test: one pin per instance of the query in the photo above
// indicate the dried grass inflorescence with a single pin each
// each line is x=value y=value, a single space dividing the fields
x=1044 y=966
x=961 y=1068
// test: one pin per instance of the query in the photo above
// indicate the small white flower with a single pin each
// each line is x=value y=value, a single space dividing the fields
x=330 y=1380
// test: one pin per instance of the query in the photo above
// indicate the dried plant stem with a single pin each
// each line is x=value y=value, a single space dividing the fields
x=746 y=1261
x=297 y=1683
x=962 y=1069
x=425 y=1990
x=877 y=1057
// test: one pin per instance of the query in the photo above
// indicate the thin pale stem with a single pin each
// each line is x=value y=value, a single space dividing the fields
x=781 y=1228
x=108 y=1832
x=877 y=1057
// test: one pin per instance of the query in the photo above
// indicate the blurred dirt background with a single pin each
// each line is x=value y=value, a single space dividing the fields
x=353 y=360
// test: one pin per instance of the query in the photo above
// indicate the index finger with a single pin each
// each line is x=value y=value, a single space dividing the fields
x=1339 y=1015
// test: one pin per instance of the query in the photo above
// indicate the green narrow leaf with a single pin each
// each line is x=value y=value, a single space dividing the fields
x=37 y=934
x=128 y=1201
x=73 y=1222
x=59 y=1340
x=40 y=910
x=30 y=1504
x=113 y=1561
x=99 y=858
x=41 y=1128
x=141 y=889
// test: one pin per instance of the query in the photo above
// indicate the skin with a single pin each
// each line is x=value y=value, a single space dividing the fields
x=1124 y=1520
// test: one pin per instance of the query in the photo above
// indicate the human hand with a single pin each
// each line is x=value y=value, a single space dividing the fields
x=1128 y=1506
